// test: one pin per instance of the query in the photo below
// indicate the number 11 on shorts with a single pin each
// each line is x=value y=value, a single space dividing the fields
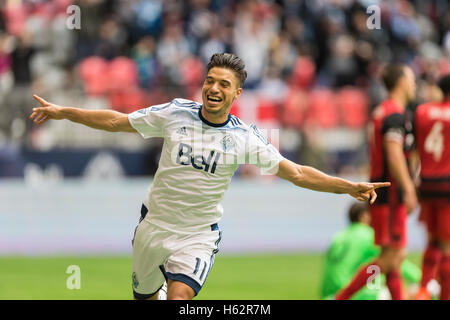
x=197 y=267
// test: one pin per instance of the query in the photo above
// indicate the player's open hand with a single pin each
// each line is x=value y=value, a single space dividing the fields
x=366 y=190
x=46 y=111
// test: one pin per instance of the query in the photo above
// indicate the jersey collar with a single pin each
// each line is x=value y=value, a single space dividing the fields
x=210 y=123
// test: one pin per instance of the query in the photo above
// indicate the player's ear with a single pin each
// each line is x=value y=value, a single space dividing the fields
x=238 y=93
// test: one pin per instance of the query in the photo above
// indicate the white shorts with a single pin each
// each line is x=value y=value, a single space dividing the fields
x=159 y=255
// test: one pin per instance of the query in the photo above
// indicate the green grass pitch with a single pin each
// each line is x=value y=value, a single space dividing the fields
x=253 y=277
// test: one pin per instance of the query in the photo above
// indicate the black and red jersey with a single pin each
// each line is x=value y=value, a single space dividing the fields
x=387 y=120
x=432 y=131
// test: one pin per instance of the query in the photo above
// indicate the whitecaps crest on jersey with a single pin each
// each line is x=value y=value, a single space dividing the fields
x=228 y=143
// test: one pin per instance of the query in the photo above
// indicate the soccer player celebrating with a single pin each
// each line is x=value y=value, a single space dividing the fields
x=387 y=132
x=432 y=130
x=204 y=144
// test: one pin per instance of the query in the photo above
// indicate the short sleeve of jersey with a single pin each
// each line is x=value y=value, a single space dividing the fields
x=394 y=127
x=261 y=153
x=149 y=122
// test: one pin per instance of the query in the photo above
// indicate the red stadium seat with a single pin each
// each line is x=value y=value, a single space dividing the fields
x=353 y=107
x=93 y=73
x=322 y=109
x=15 y=16
x=267 y=111
x=192 y=71
x=235 y=109
x=122 y=73
x=129 y=100
x=192 y=74
x=294 y=108
x=61 y=6
x=91 y=67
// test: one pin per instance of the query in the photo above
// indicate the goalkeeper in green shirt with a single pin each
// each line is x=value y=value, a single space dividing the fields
x=350 y=249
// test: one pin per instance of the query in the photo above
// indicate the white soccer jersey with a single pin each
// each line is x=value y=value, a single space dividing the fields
x=198 y=160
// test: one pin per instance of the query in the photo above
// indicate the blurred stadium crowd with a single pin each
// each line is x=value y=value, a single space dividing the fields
x=313 y=67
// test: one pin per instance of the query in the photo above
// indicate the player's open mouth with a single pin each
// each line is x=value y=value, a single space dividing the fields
x=214 y=99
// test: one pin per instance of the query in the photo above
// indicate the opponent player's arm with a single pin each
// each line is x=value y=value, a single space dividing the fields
x=397 y=165
x=393 y=139
x=310 y=178
x=107 y=120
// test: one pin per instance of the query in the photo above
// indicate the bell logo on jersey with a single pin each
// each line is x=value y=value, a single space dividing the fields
x=199 y=162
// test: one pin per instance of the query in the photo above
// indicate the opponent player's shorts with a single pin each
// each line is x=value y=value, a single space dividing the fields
x=435 y=213
x=390 y=225
x=159 y=255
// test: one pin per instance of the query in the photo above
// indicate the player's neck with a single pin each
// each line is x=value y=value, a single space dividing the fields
x=219 y=119
x=399 y=98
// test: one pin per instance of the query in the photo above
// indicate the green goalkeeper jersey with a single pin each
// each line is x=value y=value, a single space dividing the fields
x=350 y=250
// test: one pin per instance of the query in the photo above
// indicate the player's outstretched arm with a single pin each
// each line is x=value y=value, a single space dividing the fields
x=308 y=177
x=107 y=120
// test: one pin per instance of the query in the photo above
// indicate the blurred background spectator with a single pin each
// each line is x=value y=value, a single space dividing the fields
x=313 y=70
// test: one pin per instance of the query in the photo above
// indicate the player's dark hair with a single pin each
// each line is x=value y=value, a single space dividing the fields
x=391 y=74
x=356 y=210
x=444 y=84
x=229 y=61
